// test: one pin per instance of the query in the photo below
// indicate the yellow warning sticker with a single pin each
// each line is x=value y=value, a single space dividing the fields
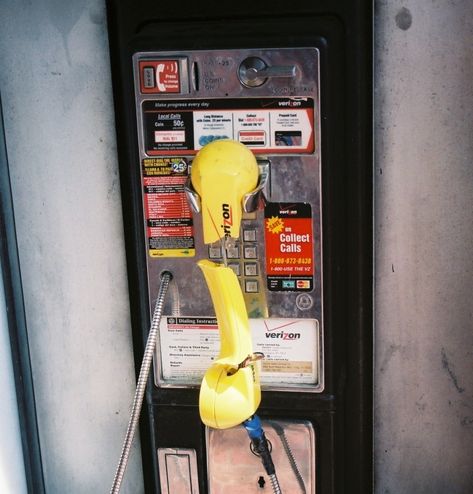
x=284 y=366
x=172 y=253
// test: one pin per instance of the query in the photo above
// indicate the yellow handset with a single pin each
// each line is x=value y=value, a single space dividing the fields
x=230 y=392
x=222 y=173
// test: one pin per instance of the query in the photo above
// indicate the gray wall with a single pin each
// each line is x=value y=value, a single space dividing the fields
x=424 y=241
x=56 y=89
x=12 y=471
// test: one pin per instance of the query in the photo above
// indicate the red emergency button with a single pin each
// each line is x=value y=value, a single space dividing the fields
x=159 y=76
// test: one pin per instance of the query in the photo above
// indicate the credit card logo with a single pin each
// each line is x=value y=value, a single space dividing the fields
x=288 y=284
x=303 y=284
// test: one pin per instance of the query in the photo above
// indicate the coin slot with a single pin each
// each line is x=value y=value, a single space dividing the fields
x=195 y=76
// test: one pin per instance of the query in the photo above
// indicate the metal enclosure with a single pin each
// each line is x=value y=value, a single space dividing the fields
x=281 y=280
x=298 y=95
x=58 y=100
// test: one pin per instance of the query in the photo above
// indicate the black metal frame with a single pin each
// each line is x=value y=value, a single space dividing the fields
x=342 y=414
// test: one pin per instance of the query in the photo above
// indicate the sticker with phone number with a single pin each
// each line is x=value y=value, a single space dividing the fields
x=289 y=246
x=169 y=224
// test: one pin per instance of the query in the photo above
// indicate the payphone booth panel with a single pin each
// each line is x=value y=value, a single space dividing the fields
x=297 y=94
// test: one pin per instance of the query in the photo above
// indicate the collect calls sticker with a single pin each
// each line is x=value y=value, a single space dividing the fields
x=289 y=247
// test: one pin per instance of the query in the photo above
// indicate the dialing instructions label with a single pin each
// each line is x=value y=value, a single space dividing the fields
x=189 y=345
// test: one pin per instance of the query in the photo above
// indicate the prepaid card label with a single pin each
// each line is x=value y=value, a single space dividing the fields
x=189 y=345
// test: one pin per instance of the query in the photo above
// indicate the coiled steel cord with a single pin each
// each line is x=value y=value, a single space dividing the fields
x=175 y=299
x=290 y=455
x=166 y=278
x=260 y=446
x=275 y=484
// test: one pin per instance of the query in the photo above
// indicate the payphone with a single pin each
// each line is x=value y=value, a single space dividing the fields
x=228 y=191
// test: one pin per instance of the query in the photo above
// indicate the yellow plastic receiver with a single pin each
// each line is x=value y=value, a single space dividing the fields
x=222 y=172
x=230 y=393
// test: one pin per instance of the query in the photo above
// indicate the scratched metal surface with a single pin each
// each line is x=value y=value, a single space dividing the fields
x=229 y=451
x=59 y=123
x=423 y=373
x=294 y=178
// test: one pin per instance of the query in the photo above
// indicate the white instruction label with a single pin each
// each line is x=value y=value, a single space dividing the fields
x=290 y=348
x=252 y=128
x=189 y=345
x=282 y=125
x=210 y=126
x=271 y=129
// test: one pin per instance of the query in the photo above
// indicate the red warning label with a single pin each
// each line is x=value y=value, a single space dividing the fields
x=252 y=138
x=159 y=76
x=169 y=226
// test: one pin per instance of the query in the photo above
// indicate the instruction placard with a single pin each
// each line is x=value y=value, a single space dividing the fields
x=189 y=345
x=277 y=125
x=169 y=227
x=159 y=76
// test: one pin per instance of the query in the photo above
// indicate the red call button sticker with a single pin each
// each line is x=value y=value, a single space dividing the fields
x=159 y=76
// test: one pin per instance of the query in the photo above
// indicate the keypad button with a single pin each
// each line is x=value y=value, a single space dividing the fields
x=250 y=252
x=233 y=252
x=215 y=252
x=236 y=267
x=251 y=269
x=249 y=235
x=251 y=286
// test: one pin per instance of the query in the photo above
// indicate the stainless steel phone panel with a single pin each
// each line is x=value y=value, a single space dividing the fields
x=185 y=99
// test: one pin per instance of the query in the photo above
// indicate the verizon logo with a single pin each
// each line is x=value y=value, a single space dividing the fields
x=227 y=215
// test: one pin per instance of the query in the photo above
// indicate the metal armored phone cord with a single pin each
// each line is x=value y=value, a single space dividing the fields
x=290 y=455
x=166 y=278
x=260 y=447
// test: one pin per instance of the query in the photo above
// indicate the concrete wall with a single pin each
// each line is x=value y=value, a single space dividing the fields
x=56 y=89
x=59 y=121
x=424 y=243
x=12 y=471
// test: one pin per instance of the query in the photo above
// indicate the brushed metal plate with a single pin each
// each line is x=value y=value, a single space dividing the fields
x=232 y=467
x=178 y=471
